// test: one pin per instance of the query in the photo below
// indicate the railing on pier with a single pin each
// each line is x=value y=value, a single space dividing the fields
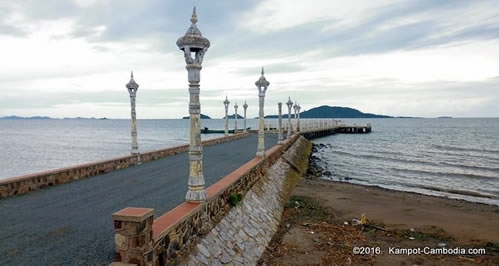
x=313 y=128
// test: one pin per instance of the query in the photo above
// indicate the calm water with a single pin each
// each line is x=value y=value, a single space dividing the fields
x=455 y=158
x=30 y=146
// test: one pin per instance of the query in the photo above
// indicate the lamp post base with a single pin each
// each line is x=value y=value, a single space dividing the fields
x=136 y=157
x=196 y=195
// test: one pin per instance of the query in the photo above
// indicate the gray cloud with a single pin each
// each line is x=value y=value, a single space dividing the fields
x=365 y=38
x=6 y=29
x=160 y=23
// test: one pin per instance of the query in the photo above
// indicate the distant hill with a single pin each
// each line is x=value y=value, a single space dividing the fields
x=22 y=117
x=326 y=111
x=232 y=116
x=337 y=112
x=15 y=117
x=202 y=117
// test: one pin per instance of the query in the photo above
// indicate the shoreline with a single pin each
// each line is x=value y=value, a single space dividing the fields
x=319 y=169
x=444 y=196
x=322 y=233
x=377 y=203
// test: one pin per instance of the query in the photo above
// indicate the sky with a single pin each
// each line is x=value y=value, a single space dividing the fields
x=425 y=58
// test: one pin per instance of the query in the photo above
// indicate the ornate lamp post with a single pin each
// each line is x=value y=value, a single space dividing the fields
x=289 y=103
x=194 y=46
x=279 y=132
x=235 y=116
x=262 y=84
x=226 y=104
x=295 y=108
x=245 y=106
x=298 y=128
x=132 y=87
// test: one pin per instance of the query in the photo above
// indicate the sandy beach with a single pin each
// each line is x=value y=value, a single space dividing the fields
x=317 y=229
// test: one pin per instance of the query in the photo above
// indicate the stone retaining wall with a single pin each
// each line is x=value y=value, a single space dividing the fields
x=24 y=184
x=176 y=233
x=243 y=234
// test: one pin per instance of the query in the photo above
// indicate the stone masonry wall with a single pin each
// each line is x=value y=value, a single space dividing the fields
x=265 y=185
x=24 y=184
x=174 y=239
x=243 y=234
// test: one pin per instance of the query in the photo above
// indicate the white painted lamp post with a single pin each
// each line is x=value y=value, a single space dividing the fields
x=235 y=117
x=226 y=104
x=262 y=84
x=289 y=103
x=279 y=132
x=194 y=46
x=298 y=127
x=245 y=106
x=132 y=87
x=295 y=108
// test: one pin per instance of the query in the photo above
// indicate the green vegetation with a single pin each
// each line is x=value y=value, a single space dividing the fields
x=235 y=199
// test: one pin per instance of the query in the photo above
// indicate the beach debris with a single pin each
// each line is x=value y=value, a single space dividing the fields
x=376 y=227
x=412 y=238
x=316 y=240
x=466 y=258
x=345 y=223
x=356 y=222
x=288 y=226
x=362 y=221
x=412 y=230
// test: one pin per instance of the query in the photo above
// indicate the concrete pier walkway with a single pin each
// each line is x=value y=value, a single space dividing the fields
x=71 y=224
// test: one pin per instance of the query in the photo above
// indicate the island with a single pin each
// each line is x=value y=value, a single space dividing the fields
x=326 y=111
x=232 y=116
x=202 y=117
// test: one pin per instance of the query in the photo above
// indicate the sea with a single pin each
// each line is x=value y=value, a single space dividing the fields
x=447 y=157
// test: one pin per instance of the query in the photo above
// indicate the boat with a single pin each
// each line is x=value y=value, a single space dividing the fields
x=218 y=131
x=215 y=131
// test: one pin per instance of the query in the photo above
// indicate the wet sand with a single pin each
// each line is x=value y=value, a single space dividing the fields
x=467 y=222
x=403 y=220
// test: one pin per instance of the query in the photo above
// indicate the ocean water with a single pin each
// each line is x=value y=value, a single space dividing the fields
x=30 y=146
x=455 y=158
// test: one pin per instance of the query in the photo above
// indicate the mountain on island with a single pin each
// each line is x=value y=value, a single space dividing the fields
x=232 y=116
x=15 y=117
x=338 y=112
x=326 y=111
x=22 y=117
x=202 y=117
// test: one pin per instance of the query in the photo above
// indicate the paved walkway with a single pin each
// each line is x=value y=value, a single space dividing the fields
x=71 y=224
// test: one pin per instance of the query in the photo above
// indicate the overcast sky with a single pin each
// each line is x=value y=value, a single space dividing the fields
x=64 y=58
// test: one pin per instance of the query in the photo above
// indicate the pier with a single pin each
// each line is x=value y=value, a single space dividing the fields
x=217 y=201
x=70 y=223
x=336 y=129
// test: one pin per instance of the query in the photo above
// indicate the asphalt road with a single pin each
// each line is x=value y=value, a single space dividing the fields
x=71 y=224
